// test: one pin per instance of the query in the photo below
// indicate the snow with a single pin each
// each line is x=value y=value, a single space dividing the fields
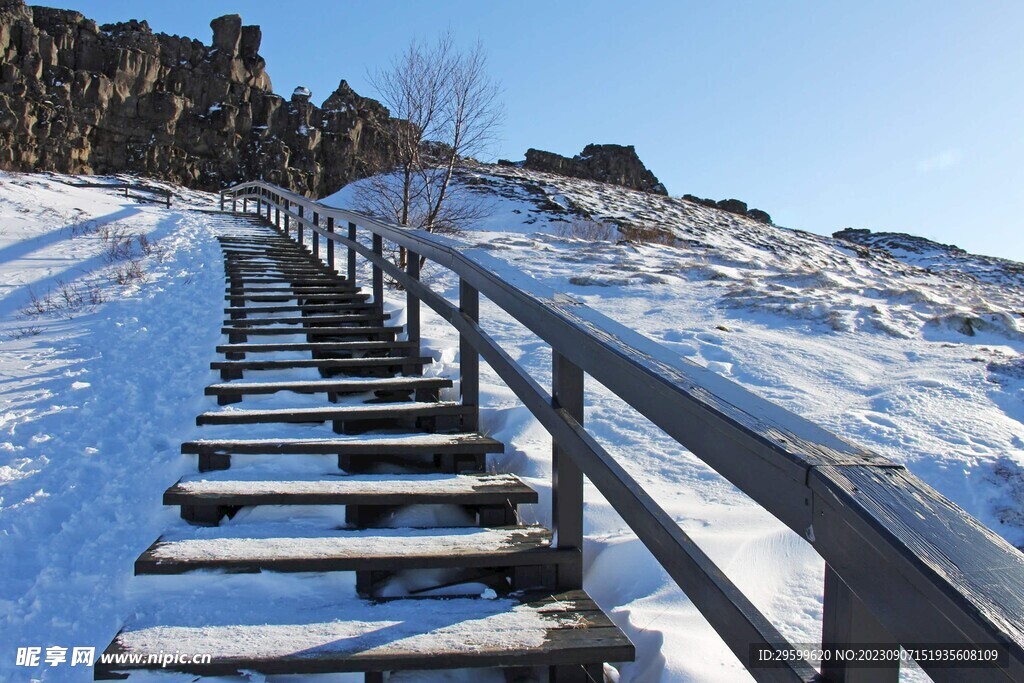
x=875 y=349
x=462 y=626
x=293 y=541
x=230 y=482
x=920 y=365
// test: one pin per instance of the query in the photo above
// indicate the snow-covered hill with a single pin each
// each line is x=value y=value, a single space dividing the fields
x=916 y=360
x=915 y=356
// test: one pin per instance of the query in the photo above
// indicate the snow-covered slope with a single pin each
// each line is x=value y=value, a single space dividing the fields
x=917 y=359
x=101 y=387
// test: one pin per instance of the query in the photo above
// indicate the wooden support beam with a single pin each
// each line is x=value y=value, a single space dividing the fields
x=566 y=477
x=378 y=274
x=352 y=255
x=330 y=243
x=316 y=236
x=469 y=360
x=412 y=303
x=847 y=623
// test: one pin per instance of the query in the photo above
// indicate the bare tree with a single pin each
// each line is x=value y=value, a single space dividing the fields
x=446 y=110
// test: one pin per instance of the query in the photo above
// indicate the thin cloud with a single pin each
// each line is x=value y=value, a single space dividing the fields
x=942 y=161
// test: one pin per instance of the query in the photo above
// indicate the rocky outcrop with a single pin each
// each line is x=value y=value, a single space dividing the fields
x=732 y=206
x=80 y=98
x=615 y=164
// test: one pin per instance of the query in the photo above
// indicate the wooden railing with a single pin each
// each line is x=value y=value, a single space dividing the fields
x=904 y=565
x=158 y=195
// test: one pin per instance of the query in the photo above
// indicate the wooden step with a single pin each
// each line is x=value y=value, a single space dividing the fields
x=293 y=547
x=363 y=412
x=293 y=289
x=565 y=629
x=390 y=330
x=321 y=363
x=375 y=445
x=318 y=347
x=351 y=296
x=287 y=308
x=231 y=488
x=345 y=386
x=335 y=284
x=310 y=320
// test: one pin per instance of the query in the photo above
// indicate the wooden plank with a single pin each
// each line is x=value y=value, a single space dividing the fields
x=229 y=489
x=324 y=346
x=320 y=363
x=419 y=444
x=367 y=331
x=284 y=308
x=915 y=560
x=311 y=320
x=344 y=386
x=249 y=549
x=355 y=296
x=395 y=636
x=382 y=411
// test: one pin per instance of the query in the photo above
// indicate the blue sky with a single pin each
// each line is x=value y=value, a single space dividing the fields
x=904 y=116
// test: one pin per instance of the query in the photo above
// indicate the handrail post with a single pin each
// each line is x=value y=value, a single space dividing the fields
x=287 y=215
x=330 y=243
x=277 y=216
x=352 y=255
x=222 y=200
x=316 y=235
x=169 y=201
x=378 y=274
x=301 y=229
x=566 y=476
x=469 y=361
x=846 y=623
x=269 y=195
x=412 y=305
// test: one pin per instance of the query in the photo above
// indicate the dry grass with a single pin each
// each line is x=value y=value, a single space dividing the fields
x=66 y=300
x=586 y=229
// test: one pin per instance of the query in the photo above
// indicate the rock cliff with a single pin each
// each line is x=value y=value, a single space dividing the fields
x=80 y=98
x=615 y=164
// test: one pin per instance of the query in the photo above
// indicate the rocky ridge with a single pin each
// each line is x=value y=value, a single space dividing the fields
x=614 y=164
x=76 y=97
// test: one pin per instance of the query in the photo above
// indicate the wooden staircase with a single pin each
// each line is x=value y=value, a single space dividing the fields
x=501 y=597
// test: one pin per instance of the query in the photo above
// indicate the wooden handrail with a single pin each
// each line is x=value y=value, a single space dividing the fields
x=904 y=564
x=166 y=193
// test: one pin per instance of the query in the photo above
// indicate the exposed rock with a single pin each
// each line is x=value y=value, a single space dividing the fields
x=77 y=98
x=732 y=206
x=615 y=164
x=759 y=216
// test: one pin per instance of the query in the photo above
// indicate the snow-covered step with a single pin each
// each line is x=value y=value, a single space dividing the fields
x=286 y=308
x=315 y=286
x=365 y=445
x=311 y=320
x=341 y=414
x=240 y=488
x=335 y=386
x=289 y=547
x=274 y=267
x=386 y=363
x=317 y=280
x=531 y=630
x=318 y=331
x=318 y=347
x=344 y=296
